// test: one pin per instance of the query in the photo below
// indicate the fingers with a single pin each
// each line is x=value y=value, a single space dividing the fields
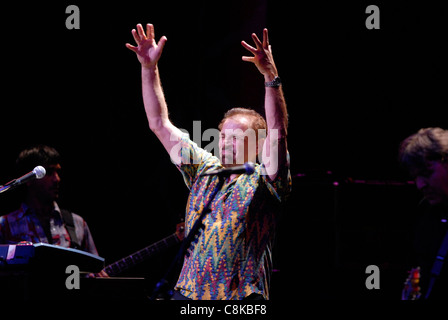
x=248 y=59
x=265 y=39
x=248 y=47
x=256 y=40
x=136 y=36
x=260 y=49
x=161 y=44
x=150 y=31
x=141 y=32
x=131 y=47
x=251 y=49
x=259 y=45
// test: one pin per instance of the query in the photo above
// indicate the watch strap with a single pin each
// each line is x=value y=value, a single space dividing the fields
x=274 y=83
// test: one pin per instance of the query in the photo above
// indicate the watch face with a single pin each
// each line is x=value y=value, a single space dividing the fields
x=274 y=83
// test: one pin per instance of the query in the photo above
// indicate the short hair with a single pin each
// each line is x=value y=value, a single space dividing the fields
x=39 y=155
x=428 y=144
x=258 y=122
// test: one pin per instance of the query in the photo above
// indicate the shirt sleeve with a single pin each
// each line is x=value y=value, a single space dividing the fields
x=84 y=235
x=194 y=161
x=2 y=227
x=281 y=186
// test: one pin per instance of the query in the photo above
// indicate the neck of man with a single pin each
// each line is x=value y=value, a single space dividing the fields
x=43 y=208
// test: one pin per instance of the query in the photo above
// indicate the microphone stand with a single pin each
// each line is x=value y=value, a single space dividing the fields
x=4 y=188
x=7 y=186
x=185 y=244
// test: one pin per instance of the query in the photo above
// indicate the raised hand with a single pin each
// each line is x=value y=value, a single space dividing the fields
x=147 y=50
x=262 y=58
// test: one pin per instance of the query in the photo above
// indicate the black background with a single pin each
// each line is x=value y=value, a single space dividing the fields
x=353 y=94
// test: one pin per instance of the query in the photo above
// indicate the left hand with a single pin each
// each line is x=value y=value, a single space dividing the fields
x=262 y=58
x=101 y=274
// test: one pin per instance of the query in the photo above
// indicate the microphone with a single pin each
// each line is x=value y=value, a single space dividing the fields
x=247 y=168
x=37 y=173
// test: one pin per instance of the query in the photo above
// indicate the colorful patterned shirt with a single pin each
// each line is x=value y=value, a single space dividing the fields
x=24 y=225
x=232 y=256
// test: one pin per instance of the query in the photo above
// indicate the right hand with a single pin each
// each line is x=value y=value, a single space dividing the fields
x=148 y=52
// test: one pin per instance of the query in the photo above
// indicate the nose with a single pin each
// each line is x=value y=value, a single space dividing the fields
x=55 y=177
x=420 y=182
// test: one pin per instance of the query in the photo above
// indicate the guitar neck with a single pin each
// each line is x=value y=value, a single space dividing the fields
x=141 y=255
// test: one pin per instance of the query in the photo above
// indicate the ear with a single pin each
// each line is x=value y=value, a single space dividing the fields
x=444 y=159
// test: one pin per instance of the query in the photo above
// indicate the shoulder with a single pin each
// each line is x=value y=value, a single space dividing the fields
x=77 y=218
x=191 y=152
x=194 y=160
x=68 y=215
x=281 y=184
x=14 y=215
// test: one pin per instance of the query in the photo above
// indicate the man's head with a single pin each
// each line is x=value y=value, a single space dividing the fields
x=47 y=188
x=242 y=134
x=425 y=155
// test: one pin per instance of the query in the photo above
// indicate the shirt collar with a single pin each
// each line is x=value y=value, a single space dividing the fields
x=25 y=209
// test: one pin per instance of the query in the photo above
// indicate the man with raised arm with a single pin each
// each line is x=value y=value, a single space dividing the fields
x=232 y=257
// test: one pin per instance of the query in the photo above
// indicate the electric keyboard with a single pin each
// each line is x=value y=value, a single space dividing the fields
x=43 y=255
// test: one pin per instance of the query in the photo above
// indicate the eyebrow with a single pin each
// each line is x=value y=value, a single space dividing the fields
x=53 y=168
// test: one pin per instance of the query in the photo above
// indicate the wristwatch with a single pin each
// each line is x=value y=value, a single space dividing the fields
x=274 y=83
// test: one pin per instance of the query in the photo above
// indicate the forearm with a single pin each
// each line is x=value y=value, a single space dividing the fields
x=277 y=122
x=148 y=54
x=157 y=111
x=275 y=106
x=153 y=99
x=275 y=110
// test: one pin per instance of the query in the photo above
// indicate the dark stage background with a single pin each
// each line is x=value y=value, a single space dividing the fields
x=353 y=94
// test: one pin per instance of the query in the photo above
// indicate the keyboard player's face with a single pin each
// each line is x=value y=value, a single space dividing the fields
x=47 y=188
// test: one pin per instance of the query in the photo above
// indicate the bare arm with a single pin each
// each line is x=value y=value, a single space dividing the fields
x=275 y=106
x=148 y=54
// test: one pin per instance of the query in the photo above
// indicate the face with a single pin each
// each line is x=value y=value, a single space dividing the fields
x=47 y=188
x=433 y=182
x=237 y=141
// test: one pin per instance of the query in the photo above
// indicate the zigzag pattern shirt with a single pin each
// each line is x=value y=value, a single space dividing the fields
x=232 y=256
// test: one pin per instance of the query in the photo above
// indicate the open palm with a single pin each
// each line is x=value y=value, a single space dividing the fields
x=147 y=50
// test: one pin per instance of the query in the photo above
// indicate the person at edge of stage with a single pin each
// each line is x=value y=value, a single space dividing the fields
x=425 y=156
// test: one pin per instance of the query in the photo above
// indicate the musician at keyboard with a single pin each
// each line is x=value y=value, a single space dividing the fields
x=39 y=218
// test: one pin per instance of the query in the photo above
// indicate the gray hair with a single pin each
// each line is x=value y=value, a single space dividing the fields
x=428 y=144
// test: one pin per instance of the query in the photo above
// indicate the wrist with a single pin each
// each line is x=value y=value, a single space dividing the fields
x=270 y=76
x=150 y=71
x=275 y=83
